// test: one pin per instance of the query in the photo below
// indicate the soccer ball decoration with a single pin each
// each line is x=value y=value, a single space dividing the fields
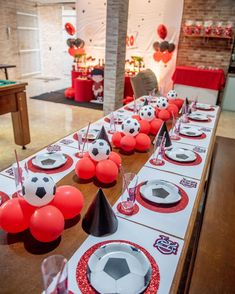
x=172 y=94
x=162 y=103
x=147 y=113
x=39 y=189
x=99 y=150
x=130 y=127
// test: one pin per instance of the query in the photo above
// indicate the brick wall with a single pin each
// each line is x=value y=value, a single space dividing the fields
x=196 y=51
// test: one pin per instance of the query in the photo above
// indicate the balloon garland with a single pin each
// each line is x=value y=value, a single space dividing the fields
x=42 y=208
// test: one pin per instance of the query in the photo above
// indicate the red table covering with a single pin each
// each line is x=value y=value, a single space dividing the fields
x=83 y=90
x=197 y=77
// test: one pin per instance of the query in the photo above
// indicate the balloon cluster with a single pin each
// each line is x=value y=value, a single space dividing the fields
x=163 y=50
x=131 y=138
x=76 y=45
x=42 y=209
x=99 y=162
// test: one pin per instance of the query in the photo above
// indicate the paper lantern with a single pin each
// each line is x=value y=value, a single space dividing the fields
x=69 y=200
x=85 y=168
x=155 y=125
x=46 y=223
x=69 y=93
x=99 y=150
x=38 y=189
x=70 y=29
x=128 y=143
x=162 y=31
x=172 y=108
x=147 y=113
x=15 y=215
x=106 y=171
x=143 y=142
x=116 y=158
x=116 y=139
x=161 y=102
x=144 y=127
x=131 y=127
x=164 y=114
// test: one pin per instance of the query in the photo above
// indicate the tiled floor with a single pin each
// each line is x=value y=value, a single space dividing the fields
x=50 y=121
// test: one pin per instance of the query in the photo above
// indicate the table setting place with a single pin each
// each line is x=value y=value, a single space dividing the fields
x=135 y=245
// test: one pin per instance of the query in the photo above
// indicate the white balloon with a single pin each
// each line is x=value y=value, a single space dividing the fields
x=147 y=112
x=172 y=94
x=39 y=189
x=162 y=103
x=99 y=150
x=131 y=127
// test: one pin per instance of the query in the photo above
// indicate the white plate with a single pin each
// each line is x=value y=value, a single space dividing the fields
x=181 y=154
x=160 y=192
x=198 y=116
x=203 y=106
x=119 y=268
x=138 y=106
x=190 y=131
x=49 y=160
x=91 y=135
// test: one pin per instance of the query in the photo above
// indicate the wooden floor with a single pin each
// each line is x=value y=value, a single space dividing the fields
x=214 y=268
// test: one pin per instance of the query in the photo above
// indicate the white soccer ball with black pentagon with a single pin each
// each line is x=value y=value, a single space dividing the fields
x=119 y=268
x=39 y=189
x=99 y=150
x=147 y=112
x=162 y=103
x=172 y=94
x=131 y=127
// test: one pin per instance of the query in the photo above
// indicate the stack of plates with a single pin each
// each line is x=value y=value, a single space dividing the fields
x=190 y=131
x=181 y=154
x=49 y=160
x=198 y=116
x=119 y=267
x=160 y=192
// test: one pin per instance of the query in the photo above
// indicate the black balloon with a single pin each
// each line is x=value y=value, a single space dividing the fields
x=79 y=43
x=156 y=45
x=164 y=46
x=171 y=47
x=70 y=42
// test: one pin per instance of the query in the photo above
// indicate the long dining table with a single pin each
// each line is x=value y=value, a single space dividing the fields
x=21 y=255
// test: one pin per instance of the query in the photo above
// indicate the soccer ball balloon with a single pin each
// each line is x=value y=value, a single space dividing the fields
x=147 y=112
x=129 y=272
x=99 y=150
x=172 y=94
x=162 y=103
x=131 y=127
x=39 y=189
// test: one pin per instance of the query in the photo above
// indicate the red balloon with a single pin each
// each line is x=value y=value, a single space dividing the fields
x=76 y=51
x=157 y=56
x=166 y=56
x=172 y=108
x=128 y=143
x=47 y=223
x=144 y=126
x=69 y=93
x=143 y=142
x=85 y=168
x=87 y=155
x=162 y=31
x=155 y=126
x=69 y=200
x=136 y=116
x=3 y=197
x=178 y=102
x=106 y=171
x=15 y=215
x=164 y=114
x=116 y=158
x=116 y=139
x=70 y=29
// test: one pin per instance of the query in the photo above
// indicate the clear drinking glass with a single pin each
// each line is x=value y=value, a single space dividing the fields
x=55 y=274
x=129 y=189
x=175 y=130
x=158 y=150
x=20 y=174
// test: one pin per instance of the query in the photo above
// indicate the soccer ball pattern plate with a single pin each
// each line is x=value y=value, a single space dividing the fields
x=119 y=268
x=190 y=131
x=160 y=192
x=198 y=116
x=49 y=160
x=181 y=155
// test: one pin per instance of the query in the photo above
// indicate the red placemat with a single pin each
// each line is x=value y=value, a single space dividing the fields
x=60 y=169
x=156 y=164
x=195 y=162
x=81 y=270
x=202 y=136
x=199 y=121
x=203 y=109
x=133 y=212
x=3 y=197
x=172 y=208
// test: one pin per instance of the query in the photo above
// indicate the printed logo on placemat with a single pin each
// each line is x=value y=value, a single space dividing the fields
x=199 y=149
x=66 y=141
x=205 y=130
x=53 y=148
x=188 y=183
x=166 y=246
x=9 y=172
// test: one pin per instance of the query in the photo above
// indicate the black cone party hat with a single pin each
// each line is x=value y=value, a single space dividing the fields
x=161 y=132
x=100 y=220
x=146 y=102
x=103 y=135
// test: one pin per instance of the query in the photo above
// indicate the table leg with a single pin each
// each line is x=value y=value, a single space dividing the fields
x=20 y=121
x=6 y=73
